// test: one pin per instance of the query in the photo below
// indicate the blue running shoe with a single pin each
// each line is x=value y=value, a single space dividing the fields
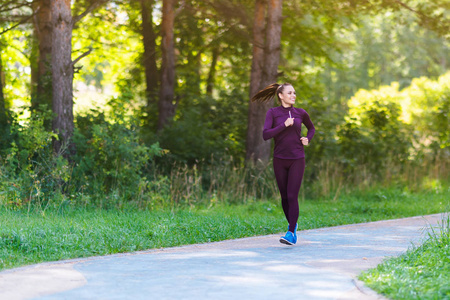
x=288 y=239
x=295 y=232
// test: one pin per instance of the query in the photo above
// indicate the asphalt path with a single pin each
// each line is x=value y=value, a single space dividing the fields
x=324 y=264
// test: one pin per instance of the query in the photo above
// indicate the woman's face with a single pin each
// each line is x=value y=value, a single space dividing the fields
x=288 y=96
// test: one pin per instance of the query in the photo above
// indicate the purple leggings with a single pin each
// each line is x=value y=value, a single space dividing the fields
x=289 y=175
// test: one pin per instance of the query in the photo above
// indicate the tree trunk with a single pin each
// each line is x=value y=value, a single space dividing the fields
x=256 y=112
x=4 y=115
x=273 y=43
x=34 y=60
x=149 y=59
x=62 y=74
x=194 y=66
x=264 y=72
x=212 y=70
x=193 y=80
x=43 y=28
x=166 y=94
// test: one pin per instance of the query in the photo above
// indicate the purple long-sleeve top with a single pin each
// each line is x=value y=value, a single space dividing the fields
x=287 y=139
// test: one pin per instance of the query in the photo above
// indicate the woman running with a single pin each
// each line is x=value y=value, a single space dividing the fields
x=284 y=124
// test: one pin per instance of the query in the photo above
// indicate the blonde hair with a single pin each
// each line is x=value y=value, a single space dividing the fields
x=269 y=92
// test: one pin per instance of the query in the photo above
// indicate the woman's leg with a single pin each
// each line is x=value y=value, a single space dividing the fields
x=281 y=170
x=294 y=182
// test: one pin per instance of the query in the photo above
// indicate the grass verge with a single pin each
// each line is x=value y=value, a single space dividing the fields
x=421 y=273
x=33 y=237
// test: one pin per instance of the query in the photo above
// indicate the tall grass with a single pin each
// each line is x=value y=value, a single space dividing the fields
x=226 y=181
x=333 y=178
x=218 y=181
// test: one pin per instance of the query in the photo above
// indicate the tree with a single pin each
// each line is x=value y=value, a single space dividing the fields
x=212 y=70
x=264 y=72
x=4 y=116
x=2 y=97
x=12 y=15
x=432 y=15
x=43 y=32
x=63 y=69
x=166 y=92
x=149 y=57
x=256 y=110
x=17 y=13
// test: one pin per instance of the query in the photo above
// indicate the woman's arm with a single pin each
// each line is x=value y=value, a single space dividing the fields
x=268 y=131
x=309 y=124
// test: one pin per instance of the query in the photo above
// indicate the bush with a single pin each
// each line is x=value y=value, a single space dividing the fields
x=374 y=132
x=111 y=158
x=207 y=127
x=107 y=170
x=29 y=172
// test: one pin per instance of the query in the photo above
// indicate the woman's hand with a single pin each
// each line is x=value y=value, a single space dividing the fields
x=289 y=122
x=304 y=140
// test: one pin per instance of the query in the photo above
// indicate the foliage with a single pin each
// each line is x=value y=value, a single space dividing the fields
x=14 y=49
x=30 y=173
x=330 y=50
x=381 y=49
x=111 y=158
x=373 y=130
x=428 y=106
x=108 y=32
x=109 y=163
x=207 y=127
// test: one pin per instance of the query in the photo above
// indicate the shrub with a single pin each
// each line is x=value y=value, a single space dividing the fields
x=111 y=158
x=29 y=172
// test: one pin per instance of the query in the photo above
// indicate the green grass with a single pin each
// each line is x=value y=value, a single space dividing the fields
x=421 y=273
x=33 y=237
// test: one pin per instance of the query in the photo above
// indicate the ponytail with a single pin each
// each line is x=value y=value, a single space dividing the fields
x=269 y=92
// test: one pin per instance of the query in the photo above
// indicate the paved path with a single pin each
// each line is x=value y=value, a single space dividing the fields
x=323 y=265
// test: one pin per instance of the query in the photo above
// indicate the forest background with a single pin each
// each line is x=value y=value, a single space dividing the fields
x=145 y=103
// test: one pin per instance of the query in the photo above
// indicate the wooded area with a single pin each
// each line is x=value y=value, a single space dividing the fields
x=170 y=84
